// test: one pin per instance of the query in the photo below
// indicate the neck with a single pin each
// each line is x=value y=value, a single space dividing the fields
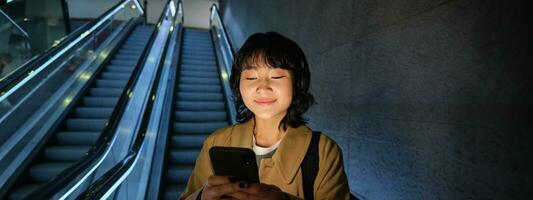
x=267 y=131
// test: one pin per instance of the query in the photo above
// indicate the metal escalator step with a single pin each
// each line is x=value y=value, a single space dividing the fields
x=173 y=192
x=119 y=69
x=126 y=56
x=136 y=41
x=23 y=191
x=115 y=75
x=77 y=138
x=86 y=124
x=129 y=51
x=183 y=156
x=194 y=66
x=111 y=83
x=199 y=62
x=198 y=74
x=195 y=56
x=124 y=63
x=191 y=80
x=198 y=45
x=197 y=127
x=200 y=68
x=199 y=53
x=43 y=172
x=200 y=106
x=106 y=92
x=204 y=52
x=179 y=174
x=137 y=46
x=65 y=153
x=100 y=101
x=199 y=116
x=93 y=112
x=189 y=96
x=199 y=88
x=181 y=140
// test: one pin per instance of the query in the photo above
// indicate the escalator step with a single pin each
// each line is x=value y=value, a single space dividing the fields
x=199 y=116
x=100 y=101
x=184 y=141
x=180 y=174
x=191 y=56
x=199 y=62
x=197 y=127
x=77 y=138
x=189 y=80
x=189 y=96
x=43 y=172
x=200 y=106
x=183 y=156
x=111 y=83
x=106 y=92
x=126 y=56
x=124 y=63
x=65 y=153
x=201 y=68
x=93 y=112
x=173 y=192
x=199 y=88
x=86 y=124
x=198 y=74
x=115 y=76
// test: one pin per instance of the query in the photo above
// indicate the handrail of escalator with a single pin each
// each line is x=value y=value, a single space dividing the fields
x=114 y=176
x=225 y=55
x=15 y=24
x=104 y=140
x=38 y=61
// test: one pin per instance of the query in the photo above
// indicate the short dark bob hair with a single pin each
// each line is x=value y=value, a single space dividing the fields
x=278 y=52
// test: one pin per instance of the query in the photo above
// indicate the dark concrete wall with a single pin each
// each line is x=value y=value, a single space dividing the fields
x=428 y=99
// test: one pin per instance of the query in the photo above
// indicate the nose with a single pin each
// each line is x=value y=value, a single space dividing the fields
x=263 y=86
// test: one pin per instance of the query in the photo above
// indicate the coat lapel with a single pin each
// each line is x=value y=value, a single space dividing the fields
x=291 y=151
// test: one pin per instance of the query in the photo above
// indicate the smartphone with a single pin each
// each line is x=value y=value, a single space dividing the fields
x=237 y=163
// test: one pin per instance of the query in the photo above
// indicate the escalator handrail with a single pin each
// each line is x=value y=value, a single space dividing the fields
x=104 y=140
x=226 y=57
x=110 y=179
x=215 y=13
x=15 y=24
x=23 y=72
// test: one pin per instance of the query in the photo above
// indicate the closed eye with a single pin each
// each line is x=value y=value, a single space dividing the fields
x=277 y=77
x=250 y=78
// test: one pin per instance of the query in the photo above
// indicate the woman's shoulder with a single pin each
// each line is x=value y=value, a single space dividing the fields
x=221 y=134
x=328 y=145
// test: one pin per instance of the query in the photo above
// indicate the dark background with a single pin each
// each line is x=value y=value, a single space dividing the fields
x=428 y=99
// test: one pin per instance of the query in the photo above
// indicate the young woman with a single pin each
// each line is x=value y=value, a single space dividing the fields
x=270 y=81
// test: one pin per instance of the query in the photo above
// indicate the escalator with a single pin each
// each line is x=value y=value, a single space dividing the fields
x=199 y=109
x=82 y=127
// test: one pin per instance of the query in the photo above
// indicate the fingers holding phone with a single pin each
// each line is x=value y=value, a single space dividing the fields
x=218 y=187
x=252 y=191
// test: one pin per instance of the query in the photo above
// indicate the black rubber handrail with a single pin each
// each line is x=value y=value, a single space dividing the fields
x=23 y=71
x=106 y=181
x=104 y=140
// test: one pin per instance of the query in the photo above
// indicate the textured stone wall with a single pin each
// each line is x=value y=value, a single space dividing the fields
x=427 y=99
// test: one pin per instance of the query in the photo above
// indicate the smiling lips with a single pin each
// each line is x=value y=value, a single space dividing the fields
x=265 y=102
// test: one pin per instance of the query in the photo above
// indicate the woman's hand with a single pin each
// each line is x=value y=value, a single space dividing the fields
x=258 y=191
x=218 y=187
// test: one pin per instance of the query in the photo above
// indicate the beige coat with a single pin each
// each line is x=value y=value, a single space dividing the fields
x=283 y=169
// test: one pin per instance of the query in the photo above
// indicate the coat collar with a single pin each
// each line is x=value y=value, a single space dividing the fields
x=290 y=153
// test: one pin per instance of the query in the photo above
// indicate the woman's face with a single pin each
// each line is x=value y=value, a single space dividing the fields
x=266 y=91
